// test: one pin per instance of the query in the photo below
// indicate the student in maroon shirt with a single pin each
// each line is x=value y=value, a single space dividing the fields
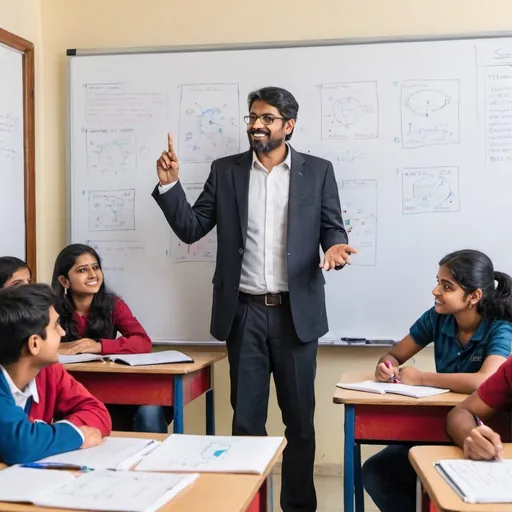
x=466 y=422
x=92 y=316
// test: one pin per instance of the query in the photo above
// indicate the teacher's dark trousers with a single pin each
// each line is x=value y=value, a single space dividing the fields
x=263 y=341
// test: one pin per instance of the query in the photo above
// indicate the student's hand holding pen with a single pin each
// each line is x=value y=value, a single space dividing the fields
x=385 y=372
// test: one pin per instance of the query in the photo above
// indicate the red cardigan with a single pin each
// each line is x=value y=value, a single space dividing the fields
x=61 y=397
x=133 y=339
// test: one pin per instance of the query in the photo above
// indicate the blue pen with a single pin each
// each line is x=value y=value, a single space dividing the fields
x=55 y=465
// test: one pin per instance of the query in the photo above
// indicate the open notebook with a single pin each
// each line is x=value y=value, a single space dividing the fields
x=478 y=481
x=115 y=453
x=373 y=386
x=165 y=356
x=97 y=490
x=212 y=454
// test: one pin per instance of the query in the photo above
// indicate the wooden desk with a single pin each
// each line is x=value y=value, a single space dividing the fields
x=442 y=495
x=385 y=419
x=162 y=384
x=210 y=492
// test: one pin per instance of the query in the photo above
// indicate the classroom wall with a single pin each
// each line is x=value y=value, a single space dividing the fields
x=131 y=23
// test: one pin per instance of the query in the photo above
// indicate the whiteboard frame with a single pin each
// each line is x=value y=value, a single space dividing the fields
x=88 y=52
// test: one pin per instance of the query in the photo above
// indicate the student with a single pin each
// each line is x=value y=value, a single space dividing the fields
x=470 y=326
x=14 y=272
x=465 y=422
x=92 y=316
x=35 y=389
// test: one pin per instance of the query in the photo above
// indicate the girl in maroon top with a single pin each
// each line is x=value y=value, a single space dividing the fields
x=92 y=316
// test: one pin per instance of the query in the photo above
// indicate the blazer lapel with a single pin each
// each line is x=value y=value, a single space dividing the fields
x=298 y=184
x=241 y=174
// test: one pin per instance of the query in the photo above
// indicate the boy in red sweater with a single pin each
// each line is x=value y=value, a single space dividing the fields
x=43 y=409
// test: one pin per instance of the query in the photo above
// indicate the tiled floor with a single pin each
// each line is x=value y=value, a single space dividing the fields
x=329 y=491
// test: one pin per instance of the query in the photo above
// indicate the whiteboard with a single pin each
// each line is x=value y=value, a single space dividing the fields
x=419 y=133
x=12 y=165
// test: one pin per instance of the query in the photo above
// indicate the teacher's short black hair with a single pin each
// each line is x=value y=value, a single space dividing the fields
x=279 y=98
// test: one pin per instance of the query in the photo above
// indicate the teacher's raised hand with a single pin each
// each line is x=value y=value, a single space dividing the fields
x=167 y=165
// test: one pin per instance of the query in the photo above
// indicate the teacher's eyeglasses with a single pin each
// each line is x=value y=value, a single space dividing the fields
x=266 y=119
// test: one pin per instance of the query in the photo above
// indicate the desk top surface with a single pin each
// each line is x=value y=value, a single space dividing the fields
x=443 y=496
x=225 y=492
x=346 y=396
x=201 y=360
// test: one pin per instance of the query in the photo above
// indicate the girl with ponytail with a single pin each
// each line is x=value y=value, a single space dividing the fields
x=470 y=326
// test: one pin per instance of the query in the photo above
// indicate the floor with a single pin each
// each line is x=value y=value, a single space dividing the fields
x=329 y=491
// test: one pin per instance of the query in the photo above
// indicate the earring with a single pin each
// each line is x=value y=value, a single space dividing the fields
x=65 y=291
x=470 y=305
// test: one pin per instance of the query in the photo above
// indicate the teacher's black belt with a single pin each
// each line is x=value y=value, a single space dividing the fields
x=268 y=299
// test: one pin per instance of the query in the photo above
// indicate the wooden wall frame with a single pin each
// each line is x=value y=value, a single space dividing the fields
x=29 y=150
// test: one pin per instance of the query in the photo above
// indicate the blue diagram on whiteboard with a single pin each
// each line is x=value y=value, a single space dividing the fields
x=434 y=189
x=430 y=112
x=209 y=126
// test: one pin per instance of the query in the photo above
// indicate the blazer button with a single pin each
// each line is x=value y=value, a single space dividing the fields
x=241 y=251
x=235 y=288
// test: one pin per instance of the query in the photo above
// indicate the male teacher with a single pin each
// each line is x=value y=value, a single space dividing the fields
x=273 y=207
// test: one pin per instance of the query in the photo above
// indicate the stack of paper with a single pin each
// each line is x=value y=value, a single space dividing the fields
x=115 y=453
x=478 y=481
x=163 y=357
x=98 y=490
x=212 y=454
x=373 y=386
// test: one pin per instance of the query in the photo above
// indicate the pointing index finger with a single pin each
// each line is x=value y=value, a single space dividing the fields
x=170 y=143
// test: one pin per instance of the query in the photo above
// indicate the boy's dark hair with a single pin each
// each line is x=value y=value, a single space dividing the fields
x=8 y=266
x=24 y=311
x=278 y=98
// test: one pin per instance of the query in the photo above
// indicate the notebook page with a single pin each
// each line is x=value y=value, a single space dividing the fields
x=217 y=454
x=25 y=485
x=373 y=386
x=113 y=453
x=117 y=490
x=166 y=356
x=79 y=358
x=479 y=481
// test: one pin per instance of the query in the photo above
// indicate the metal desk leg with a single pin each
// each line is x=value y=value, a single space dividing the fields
x=348 y=475
x=359 y=491
x=210 y=408
x=178 y=404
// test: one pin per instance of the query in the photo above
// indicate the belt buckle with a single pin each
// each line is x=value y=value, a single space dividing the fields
x=270 y=305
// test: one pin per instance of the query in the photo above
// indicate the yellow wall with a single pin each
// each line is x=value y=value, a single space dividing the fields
x=117 y=23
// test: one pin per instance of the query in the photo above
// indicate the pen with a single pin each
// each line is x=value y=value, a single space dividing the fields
x=55 y=465
x=393 y=378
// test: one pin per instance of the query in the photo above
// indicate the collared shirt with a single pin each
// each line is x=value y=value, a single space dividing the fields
x=30 y=392
x=493 y=337
x=21 y=397
x=264 y=263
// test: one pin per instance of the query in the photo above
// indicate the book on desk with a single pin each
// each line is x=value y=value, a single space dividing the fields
x=163 y=357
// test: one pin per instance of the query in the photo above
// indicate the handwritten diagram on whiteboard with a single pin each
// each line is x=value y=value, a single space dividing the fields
x=111 y=210
x=111 y=151
x=350 y=110
x=359 y=201
x=119 y=104
x=209 y=122
x=430 y=112
x=430 y=189
x=203 y=250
